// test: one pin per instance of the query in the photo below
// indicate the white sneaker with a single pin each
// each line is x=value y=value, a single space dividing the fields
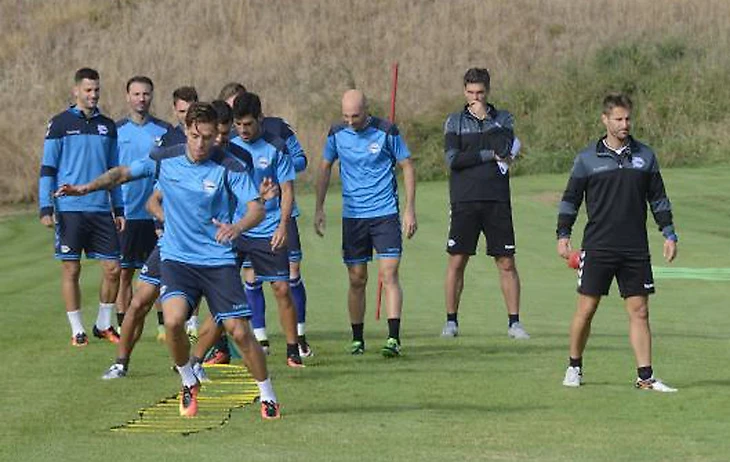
x=516 y=331
x=654 y=384
x=573 y=377
x=199 y=372
x=116 y=371
x=451 y=329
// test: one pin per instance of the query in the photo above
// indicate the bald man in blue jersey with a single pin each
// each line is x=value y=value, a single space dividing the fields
x=368 y=149
x=202 y=188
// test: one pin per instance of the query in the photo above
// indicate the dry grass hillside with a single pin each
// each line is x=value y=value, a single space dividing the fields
x=300 y=55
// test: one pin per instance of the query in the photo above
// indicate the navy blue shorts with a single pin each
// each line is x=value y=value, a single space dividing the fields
x=137 y=241
x=220 y=285
x=361 y=235
x=256 y=253
x=293 y=242
x=598 y=268
x=150 y=272
x=470 y=219
x=93 y=233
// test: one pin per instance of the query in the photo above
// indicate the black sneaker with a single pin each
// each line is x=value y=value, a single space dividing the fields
x=305 y=351
x=109 y=334
x=80 y=340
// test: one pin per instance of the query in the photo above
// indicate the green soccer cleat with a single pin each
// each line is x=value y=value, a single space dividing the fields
x=391 y=348
x=357 y=347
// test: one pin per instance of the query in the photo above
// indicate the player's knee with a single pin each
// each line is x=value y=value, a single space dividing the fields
x=112 y=272
x=71 y=271
x=358 y=281
x=640 y=312
x=389 y=277
x=280 y=288
x=506 y=265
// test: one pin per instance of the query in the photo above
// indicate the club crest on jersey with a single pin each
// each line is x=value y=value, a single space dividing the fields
x=102 y=129
x=638 y=162
x=209 y=187
x=374 y=148
x=262 y=162
x=158 y=141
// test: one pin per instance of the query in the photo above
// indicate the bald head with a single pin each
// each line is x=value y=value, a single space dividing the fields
x=354 y=109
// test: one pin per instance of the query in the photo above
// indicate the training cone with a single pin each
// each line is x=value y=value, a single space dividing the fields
x=574 y=259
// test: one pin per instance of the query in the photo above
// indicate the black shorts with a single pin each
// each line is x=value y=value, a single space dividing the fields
x=256 y=253
x=93 y=233
x=361 y=235
x=470 y=219
x=293 y=242
x=150 y=272
x=220 y=285
x=137 y=241
x=631 y=270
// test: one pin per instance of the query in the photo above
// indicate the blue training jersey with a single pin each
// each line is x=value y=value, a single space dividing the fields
x=174 y=136
x=194 y=194
x=367 y=166
x=76 y=151
x=137 y=142
x=270 y=160
x=279 y=127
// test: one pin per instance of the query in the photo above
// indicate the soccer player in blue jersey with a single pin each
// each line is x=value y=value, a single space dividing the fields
x=263 y=250
x=279 y=127
x=202 y=188
x=182 y=98
x=80 y=145
x=138 y=134
x=368 y=149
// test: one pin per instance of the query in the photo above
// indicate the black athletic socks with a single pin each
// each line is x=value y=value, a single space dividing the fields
x=357 y=332
x=513 y=318
x=394 y=328
x=120 y=319
x=576 y=362
x=645 y=372
x=451 y=317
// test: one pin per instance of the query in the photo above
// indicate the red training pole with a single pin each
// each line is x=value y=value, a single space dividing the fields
x=391 y=117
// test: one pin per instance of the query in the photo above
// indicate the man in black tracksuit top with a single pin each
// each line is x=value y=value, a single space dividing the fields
x=479 y=146
x=617 y=176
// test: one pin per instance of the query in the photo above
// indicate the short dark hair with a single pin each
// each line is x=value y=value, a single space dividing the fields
x=187 y=94
x=477 y=75
x=223 y=110
x=247 y=104
x=86 y=73
x=200 y=113
x=140 y=79
x=613 y=100
x=231 y=89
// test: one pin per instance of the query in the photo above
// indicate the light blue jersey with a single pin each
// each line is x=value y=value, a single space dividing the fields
x=270 y=160
x=76 y=151
x=194 y=194
x=137 y=142
x=279 y=127
x=367 y=167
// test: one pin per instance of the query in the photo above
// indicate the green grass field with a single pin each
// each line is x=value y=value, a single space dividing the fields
x=480 y=396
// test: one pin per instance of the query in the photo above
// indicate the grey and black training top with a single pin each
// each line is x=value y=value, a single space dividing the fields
x=474 y=172
x=617 y=187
